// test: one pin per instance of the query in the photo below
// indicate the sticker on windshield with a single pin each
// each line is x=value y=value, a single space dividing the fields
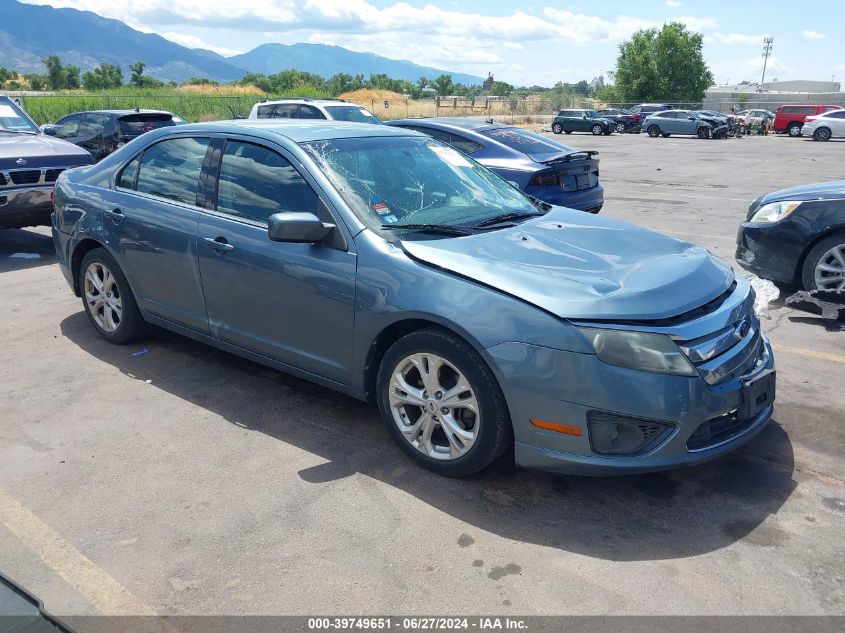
x=378 y=205
x=451 y=156
x=8 y=112
x=390 y=219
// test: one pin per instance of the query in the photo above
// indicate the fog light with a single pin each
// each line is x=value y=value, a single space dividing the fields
x=619 y=435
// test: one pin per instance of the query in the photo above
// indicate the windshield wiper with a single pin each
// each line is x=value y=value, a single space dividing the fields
x=445 y=229
x=508 y=217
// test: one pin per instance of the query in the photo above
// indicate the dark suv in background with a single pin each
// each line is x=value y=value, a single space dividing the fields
x=569 y=121
x=644 y=109
x=103 y=131
x=623 y=120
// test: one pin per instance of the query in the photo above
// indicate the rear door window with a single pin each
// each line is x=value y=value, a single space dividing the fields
x=351 y=113
x=310 y=112
x=92 y=124
x=136 y=124
x=278 y=111
x=256 y=182
x=171 y=169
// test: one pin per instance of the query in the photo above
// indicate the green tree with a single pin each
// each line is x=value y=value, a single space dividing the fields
x=137 y=70
x=666 y=64
x=5 y=74
x=72 y=77
x=103 y=77
x=423 y=83
x=443 y=84
x=36 y=82
x=55 y=72
x=501 y=89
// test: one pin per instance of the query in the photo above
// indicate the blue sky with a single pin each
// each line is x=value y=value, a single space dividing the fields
x=533 y=42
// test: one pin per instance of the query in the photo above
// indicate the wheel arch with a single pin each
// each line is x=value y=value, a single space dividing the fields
x=391 y=333
x=79 y=252
x=799 y=267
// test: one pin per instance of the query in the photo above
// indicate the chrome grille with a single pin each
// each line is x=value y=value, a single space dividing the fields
x=25 y=176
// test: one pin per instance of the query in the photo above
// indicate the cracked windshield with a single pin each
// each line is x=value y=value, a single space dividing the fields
x=399 y=181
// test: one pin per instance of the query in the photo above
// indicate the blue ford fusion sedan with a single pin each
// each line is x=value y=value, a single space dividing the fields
x=382 y=263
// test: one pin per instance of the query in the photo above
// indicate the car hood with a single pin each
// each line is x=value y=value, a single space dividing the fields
x=39 y=150
x=576 y=265
x=818 y=191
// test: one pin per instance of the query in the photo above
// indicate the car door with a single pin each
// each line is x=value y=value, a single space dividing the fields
x=90 y=133
x=150 y=221
x=836 y=122
x=686 y=122
x=582 y=122
x=290 y=302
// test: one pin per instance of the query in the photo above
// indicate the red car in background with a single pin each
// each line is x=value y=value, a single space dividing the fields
x=791 y=118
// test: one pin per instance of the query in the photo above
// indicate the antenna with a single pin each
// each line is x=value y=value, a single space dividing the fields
x=767 y=51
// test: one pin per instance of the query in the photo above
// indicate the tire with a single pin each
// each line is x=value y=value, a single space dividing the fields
x=822 y=134
x=490 y=427
x=597 y=130
x=821 y=253
x=794 y=129
x=557 y=128
x=653 y=131
x=620 y=127
x=703 y=132
x=116 y=316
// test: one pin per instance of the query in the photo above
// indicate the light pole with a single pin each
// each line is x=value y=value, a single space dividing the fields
x=767 y=50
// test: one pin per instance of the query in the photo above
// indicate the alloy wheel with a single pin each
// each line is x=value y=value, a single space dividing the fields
x=102 y=296
x=620 y=128
x=597 y=130
x=822 y=134
x=434 y=406
x=830 y=269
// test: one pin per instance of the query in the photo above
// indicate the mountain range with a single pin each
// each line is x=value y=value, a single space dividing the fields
x=28 y=33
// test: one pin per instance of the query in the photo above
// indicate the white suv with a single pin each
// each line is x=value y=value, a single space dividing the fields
x=335 y=109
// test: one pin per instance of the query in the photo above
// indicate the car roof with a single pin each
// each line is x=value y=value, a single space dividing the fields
x=476 y=125
x=305 y=100
x=299 y=130
x=121 y=112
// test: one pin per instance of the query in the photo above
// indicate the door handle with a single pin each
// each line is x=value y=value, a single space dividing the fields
x=219 y=244
x=115 y=215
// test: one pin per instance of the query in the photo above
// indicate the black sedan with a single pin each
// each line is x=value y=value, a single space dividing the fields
x=623 y=120
x=797 y=236
x=103 y=131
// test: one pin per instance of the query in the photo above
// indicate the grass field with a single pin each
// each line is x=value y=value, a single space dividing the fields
x=207 y=103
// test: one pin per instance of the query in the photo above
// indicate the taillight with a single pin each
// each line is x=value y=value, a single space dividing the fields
x=545 y=179
x=53 y=195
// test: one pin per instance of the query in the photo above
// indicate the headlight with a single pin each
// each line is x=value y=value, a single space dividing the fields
x=774 y=211
x=639 y=350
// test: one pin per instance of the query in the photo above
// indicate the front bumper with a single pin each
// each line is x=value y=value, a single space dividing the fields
x=25 y=206
x=563 y=387
x=771 y=251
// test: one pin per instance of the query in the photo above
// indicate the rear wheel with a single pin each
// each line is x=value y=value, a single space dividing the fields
x=620 y=127
x=824 y=266
x=442 y=403
x=597 y=130
x=822 y=134
x=107 y=298
x=653 y=131
x=557 y=128
x=794 y=129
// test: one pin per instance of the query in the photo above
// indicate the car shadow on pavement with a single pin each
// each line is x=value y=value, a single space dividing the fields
x=21 y=248
x=647 y=517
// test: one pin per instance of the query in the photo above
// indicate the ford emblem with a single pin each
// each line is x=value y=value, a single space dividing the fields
x=20 y=162
x=742 y=329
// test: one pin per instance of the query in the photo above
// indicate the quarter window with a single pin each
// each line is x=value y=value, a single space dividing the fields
x=256 y=182
x=127 y=177
x=171 y=169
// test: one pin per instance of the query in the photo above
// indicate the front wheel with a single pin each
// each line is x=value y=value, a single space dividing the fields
x=653 y=131
x=557 y=128
x=794 y=129
x=597 y=130
x=824 y=265
x=442 y=403
x=822 y=134
x=703 y=132
x=107 y=298
x=620 y=128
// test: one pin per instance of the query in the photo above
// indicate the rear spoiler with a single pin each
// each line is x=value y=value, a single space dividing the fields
x=565 y=158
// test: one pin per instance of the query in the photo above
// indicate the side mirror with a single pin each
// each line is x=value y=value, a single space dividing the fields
x=299 y=228
x=691 y=118
x=49 y=130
